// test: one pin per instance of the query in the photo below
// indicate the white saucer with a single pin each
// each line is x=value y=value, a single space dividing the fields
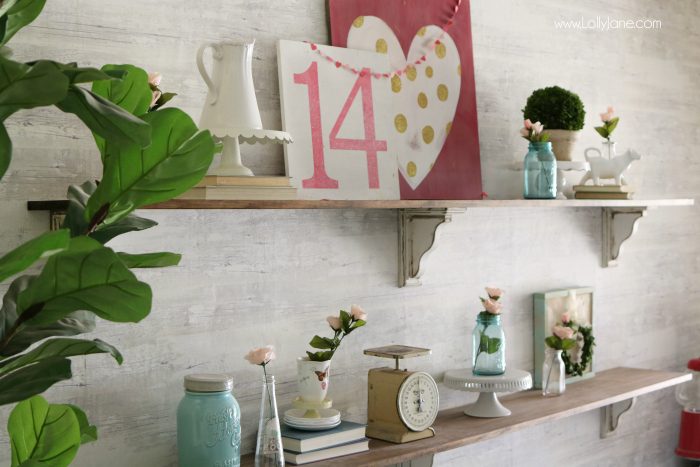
x=311 y=428
x=327 y=417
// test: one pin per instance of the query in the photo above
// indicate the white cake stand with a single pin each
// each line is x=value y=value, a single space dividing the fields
x=487 y=405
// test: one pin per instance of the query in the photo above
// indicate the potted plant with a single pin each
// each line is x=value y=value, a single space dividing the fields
x=313 y=371
x=149 y=155
x=562 y=113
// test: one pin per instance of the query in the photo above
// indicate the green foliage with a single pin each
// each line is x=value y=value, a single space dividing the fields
x=329 y=345
x=48 y=434
x=607 y=128
x=150 y=155
x=577 y=369
x=556 y=108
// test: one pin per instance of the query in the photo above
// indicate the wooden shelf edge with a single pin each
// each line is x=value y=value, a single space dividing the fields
x=454 y=429
x=61 y=205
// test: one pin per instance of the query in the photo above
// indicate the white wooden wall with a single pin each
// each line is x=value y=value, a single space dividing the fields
x=258 y=277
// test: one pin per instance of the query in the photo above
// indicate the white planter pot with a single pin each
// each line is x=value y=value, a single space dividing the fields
x=313 y=379
x=563 y=142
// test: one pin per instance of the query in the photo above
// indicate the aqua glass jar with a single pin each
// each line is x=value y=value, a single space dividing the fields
x=209 y=423
x=540 y=169
x=488 y=346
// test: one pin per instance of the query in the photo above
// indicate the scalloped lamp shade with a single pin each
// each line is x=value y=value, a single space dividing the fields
x=231 y=109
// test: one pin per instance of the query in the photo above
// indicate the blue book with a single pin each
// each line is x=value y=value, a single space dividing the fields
x=303 y=441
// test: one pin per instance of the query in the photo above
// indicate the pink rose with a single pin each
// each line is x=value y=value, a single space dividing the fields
x=609 y=115
x=358 y=313
x=492 y=306
x=154 y=79
x=261 y=355
x=563 y=332
x=334 y=322
x=537 y=128
x=565 y=318
x=528 y=124
x=494 y=292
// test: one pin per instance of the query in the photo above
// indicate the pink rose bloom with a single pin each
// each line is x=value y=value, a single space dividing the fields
x=528 y=124
x=492 y=306
x=609 y=115
x=154 y=79
x=494 y=292
x=358 y=313
x=537 y=128
x=565 y=318
x=334 y=322
x=261 y=355
x=563 y=332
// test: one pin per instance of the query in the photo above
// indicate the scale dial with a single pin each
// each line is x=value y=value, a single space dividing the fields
x=418 y=401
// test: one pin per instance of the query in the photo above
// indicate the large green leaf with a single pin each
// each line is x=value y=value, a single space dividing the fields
x=33 y=379
x=86 y=276
x=60 y=347
x=24 y=87
x=77 y=74
x=45 y=433
x=26 y=254
x=161 y=259
x=6 y=5
x=5 y=150
x=20 y=14
x=104 y=118
x=88 y=433
x=176 y=160
x=132 y=92
x=17 y=337
x=78 y=196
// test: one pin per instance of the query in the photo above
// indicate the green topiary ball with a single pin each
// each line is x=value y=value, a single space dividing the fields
x=555 y=108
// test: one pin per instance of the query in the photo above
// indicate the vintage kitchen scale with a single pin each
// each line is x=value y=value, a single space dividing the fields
x=401 y=405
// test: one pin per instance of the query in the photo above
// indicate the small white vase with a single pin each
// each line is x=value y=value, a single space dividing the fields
x=313 y=379
x=563 y=142
x=553 y=373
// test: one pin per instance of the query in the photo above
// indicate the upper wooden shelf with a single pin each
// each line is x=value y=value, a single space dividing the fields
x=61 y=205
x=453 y=429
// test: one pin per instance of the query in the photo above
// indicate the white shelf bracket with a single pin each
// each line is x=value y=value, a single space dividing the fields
x=618 y=226
x=610 y=416
x=419 y=230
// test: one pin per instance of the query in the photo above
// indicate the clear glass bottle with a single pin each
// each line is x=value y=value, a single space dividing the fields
x=208 y=422
x=540 y=169
x=553 y=373
x=268 y=451
x=488 y=345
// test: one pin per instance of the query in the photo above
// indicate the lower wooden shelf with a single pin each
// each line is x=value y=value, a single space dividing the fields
x=453 y=429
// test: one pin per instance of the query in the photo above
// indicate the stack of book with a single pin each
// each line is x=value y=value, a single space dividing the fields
x=245 y=188
x=302 y=447
x=603 y=191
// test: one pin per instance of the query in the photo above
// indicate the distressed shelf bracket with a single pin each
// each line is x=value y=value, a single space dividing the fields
x=419 y=230
x=618 y=226
x=610 y=416
x=56 y=219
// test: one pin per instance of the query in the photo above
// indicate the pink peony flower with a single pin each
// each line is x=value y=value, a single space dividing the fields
x=334 y=322
x=565 y=318
x=492 y=306
x=609 y=115
x=358 y=313
x=261 y=355
x=154 y=79
x=563 y=332
x=528 y=124
x=494 y=292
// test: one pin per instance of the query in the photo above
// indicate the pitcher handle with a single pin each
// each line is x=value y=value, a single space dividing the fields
x=216 y=55
x=585 y=153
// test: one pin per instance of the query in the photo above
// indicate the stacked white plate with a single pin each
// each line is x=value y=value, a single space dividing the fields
x=294 y=418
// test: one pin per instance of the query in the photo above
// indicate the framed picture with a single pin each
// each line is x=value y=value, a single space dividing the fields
x=429 y=46
x=554 y=308
x=339 y=114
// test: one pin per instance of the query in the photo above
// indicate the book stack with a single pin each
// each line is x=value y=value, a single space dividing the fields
x=603 y=191
x=245 y=188
x=302 y=447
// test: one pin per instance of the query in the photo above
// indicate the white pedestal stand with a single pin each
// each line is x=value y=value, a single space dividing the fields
x=311 y=408
x=487 y=405
x=231 y=164
x=564 y=189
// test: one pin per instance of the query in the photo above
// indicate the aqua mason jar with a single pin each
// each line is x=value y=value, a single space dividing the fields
x=209 y=423
x=540 y=169
x=488 y=346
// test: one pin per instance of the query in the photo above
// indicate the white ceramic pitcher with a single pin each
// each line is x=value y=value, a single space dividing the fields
x=231 y=105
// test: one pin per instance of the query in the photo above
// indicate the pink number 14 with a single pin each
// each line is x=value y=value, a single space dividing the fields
x=369 y=145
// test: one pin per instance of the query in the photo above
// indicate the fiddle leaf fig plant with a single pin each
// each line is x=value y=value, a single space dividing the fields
x=149 y=155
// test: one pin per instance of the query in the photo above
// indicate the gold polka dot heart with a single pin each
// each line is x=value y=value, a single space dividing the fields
x=424 y=95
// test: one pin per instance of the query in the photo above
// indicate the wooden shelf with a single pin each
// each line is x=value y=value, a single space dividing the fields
x=61 y=205
x=453 y=429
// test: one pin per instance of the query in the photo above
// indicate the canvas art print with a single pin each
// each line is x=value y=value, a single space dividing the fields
x=434 y=118
x=549 y=309
x=340 y=122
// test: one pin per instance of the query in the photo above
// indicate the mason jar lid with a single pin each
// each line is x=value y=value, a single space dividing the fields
x=208 y=382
